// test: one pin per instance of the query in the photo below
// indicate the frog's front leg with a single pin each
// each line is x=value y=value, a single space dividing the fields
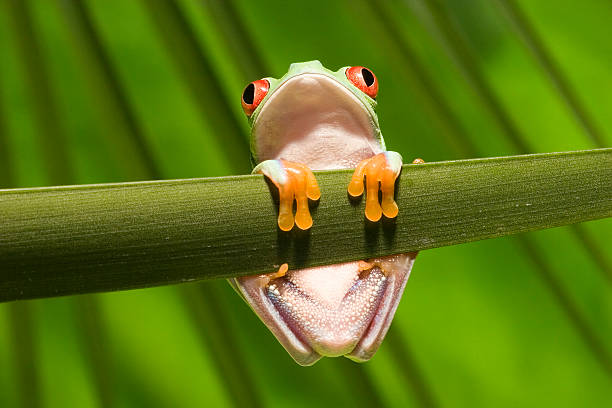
x=380 y=171
x=296 y=182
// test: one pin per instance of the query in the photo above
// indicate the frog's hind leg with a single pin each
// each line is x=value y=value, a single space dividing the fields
x=396 y=269
x=295 y=182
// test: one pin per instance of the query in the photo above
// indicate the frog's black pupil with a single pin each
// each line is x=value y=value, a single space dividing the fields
x=248 y=96
x=368 y=77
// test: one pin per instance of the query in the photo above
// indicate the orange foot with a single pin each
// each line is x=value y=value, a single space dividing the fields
x=382 y=170
x=282 y=271
x=296 y=182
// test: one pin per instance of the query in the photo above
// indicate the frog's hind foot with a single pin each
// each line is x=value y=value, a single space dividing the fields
x=295 y=182
x=282 y=271
x=380 y=170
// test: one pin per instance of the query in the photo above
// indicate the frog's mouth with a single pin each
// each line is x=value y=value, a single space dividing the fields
x=335 y=310
x=315 y=120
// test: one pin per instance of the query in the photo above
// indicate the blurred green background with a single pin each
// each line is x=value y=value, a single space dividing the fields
x=107 y=91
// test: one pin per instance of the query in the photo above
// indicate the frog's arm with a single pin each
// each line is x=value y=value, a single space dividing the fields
x=296 y=182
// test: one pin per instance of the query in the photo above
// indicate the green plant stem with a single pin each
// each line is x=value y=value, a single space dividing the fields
x=78 y=239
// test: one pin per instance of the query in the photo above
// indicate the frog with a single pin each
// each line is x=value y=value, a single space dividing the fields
x=313 y=118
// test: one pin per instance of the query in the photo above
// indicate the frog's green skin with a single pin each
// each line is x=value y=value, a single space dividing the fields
x=317 y=117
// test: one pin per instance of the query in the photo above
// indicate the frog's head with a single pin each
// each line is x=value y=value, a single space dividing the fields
x=314 y=116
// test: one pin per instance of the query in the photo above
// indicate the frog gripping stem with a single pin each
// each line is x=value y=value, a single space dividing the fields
x=316 y=118
x=295 y=182
x=380 y=171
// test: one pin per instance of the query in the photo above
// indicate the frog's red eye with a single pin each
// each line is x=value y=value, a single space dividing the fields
x=364 y=79
x=253 y=95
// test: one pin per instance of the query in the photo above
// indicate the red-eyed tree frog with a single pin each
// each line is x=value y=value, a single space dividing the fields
x=315 y=119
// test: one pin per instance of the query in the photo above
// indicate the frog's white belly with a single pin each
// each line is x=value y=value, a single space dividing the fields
x=313 y=120
x=348 y=152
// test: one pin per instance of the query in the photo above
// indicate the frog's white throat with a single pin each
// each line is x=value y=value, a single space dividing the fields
x=315 y=120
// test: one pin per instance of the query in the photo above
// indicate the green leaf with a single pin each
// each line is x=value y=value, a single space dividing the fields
x=78 y=239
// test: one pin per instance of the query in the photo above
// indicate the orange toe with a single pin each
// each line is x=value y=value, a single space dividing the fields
x=387 y=186
x=285 y=208
x=355 y=188
x=373 y=210
x=282 y=271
